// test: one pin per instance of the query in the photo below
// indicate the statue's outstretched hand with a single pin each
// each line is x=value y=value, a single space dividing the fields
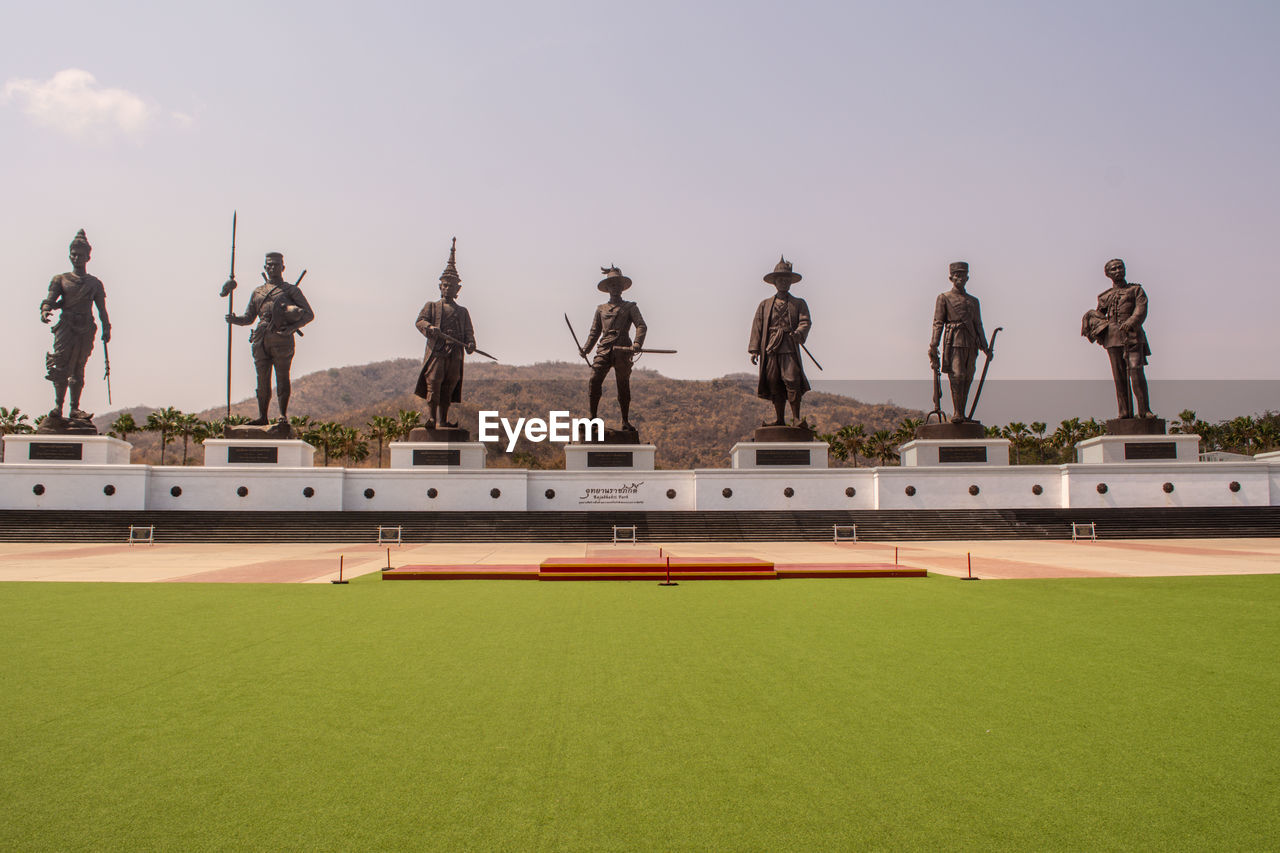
x=471 y=347
x=45 y=315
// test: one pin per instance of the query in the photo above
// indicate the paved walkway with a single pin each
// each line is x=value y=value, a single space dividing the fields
x=318 y=563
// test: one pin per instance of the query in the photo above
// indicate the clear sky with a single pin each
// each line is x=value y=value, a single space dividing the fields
x=690 y=143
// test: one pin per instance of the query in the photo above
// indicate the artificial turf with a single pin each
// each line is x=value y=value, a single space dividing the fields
x=790 y=715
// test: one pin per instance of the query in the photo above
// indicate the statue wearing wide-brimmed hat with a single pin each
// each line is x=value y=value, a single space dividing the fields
x=610 y=334
x=450 y=336
x=778 y=333
x=75 y=294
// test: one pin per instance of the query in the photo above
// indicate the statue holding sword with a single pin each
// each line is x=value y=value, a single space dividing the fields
x=610 y=334
x=778 y=333
x=450 y=336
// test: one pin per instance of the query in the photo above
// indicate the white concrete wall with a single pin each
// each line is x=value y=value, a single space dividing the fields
x=614 y=489
x=73 y=486
x=1138 y=484
x=455 y=490
x=269 y=488
x=1132 y=484
x=764 y=488
x=947 y=487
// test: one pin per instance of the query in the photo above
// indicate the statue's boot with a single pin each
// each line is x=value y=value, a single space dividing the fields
x=78 y=414
x=795 y=412
x=779 y=413
x=594 y=401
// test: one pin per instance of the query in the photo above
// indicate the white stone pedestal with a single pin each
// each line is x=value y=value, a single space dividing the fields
x=32 y=449
x=437 y=455
x=776 y=455
x=924 y=452
x=609 y=457
x=258 y=453
x=1108 y=449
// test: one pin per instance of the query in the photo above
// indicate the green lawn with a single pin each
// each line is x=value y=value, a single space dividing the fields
x=767 y=715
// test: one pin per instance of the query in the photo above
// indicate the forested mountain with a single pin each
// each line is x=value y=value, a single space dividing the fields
x=694 y=423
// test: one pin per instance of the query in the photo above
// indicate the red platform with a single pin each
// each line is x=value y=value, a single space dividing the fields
x=648 y=566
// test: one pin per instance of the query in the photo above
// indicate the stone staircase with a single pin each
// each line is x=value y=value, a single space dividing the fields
x=887 y=525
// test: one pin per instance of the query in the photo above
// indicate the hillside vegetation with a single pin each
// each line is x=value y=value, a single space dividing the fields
x=693 y=423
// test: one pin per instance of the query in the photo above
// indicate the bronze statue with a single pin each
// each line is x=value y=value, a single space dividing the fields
x=1117 y=325
x=611 y=330
x=957 y=326
x=281 y=310
x=778 y=333
x=448 y=330
x=75 y=294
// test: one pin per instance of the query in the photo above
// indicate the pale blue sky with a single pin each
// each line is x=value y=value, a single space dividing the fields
x=688 y=143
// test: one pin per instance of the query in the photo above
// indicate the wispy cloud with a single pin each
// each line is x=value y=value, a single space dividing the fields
x=72 y=102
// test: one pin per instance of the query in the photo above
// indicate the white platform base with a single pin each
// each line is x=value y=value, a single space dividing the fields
x=923 y=452
x=66 y=450
x=775 y=455
x=609 y=457
x=437 y=455
x=1108 y=449
x=258 y=453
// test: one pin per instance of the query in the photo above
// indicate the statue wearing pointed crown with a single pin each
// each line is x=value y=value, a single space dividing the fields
x=75 y=294
x=450 y=337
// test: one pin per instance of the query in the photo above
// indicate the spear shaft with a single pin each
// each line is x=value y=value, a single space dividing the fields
x=231 y=305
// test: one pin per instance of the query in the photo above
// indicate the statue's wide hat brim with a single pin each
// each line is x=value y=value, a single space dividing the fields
x=603 y=284
x=789 y=277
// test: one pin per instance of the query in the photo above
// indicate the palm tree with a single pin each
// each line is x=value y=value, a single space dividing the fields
x=1065 y=437
x=12 y=422
x=187 y=426
x=353 y=446
x=1016 y=432
x=409 y=421
x=123 y=425
x=165 y=422
x=328 y=437
x=834 y=445
x=1039 y=428
x=882 y=446
x=906 y=430
x=854 y=438
x=380 y=428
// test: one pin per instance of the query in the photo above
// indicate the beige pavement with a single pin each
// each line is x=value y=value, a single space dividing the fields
x=318 y=563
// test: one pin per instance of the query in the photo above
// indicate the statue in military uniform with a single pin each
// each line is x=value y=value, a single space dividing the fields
x=957 y=328
x=448 y=330
x=1116 y=324
x=778 y=330
x=610 y=334
x=75 y=294
x=281 y=311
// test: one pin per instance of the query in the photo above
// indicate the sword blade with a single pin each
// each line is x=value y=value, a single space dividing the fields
x=576 y=343
x=806 y=352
